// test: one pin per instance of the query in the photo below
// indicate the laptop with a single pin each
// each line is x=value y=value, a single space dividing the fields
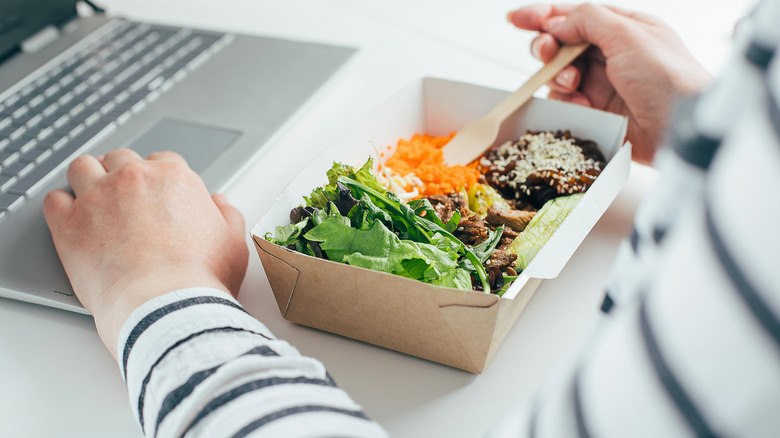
x=73 y=84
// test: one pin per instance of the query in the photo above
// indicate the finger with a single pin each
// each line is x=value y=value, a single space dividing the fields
x=544 y=47
x=567 y=80
x=83 y=171
x=55 y=205
x=167 y=156
x=533 y=17
x=638 y=16
x=118 y=158
x=597 y=86
x=232 y=215
x=575 y=98
x=589 y=23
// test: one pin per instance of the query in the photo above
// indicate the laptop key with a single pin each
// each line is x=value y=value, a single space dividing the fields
x=37 y=155
x=11 y=100
x=34 y=120
x=19 y=168
x=45 y=132
x=81 y=100
x=35 y=180
x=60 y=122
x=92 y=119
x=37 y=100
x=51 y=109
x=3 y=155
x=6 y=181
x=21 y=146
x=59 y=144
x=10 y=201
x=10 y=159
x=20 y=112
x=18 y=133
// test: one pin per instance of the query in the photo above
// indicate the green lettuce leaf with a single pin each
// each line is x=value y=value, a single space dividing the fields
x=322 y=196
x=380 y=249
x=365 y=213
x=287 y=234
x=409 y=226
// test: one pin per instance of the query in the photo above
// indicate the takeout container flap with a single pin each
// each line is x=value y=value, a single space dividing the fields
x=462 y=329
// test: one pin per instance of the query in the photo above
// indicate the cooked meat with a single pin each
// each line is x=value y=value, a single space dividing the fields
x=514 y=219
x=504 y=243
x=444 y=211
x=501 y=259
x=509 y=233
x=472 y=230
x=446 y=205
x=540 y=166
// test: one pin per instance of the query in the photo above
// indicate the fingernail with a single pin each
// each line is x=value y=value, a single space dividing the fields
x=553 y=23
x=565 y=79
x=509 y=16
x=536 y=48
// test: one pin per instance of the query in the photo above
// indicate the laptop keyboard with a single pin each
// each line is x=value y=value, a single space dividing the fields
x=64 y=109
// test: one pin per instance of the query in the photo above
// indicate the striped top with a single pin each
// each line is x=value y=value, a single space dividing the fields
x=196 y=364
x=690 y=342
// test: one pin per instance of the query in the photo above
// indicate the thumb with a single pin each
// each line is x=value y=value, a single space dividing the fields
x=232 y=215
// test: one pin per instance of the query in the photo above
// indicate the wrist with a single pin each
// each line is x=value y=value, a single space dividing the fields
x=118 y=301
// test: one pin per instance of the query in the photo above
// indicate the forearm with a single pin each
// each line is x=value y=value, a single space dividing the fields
x=195 y=362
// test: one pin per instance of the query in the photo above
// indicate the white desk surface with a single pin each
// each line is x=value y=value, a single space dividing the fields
x=56 y=378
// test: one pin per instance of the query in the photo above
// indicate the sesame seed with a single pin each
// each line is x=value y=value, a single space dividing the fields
x=542 y=157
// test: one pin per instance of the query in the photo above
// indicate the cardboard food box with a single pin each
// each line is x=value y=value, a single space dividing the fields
x=462 y=329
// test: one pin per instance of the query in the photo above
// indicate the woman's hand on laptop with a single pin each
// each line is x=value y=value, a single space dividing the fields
x=139 y=228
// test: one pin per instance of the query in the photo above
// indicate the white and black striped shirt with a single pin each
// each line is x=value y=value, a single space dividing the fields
x=196 y=364
x=690 y=344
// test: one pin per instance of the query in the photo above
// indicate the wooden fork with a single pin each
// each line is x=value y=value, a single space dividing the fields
x=479 y=135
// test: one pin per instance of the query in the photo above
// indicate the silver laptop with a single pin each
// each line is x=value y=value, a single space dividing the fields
x=71 y=85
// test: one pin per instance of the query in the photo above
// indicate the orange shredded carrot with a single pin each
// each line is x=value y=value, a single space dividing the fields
x=423 y=156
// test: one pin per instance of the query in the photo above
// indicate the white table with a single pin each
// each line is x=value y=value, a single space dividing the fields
x=58 y=380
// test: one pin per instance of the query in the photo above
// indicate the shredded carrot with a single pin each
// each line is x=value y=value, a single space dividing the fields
x=422 y=155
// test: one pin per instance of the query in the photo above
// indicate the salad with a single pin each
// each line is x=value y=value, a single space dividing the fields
x=466 y=227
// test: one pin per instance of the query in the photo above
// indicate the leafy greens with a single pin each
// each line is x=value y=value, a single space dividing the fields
x=355 y=220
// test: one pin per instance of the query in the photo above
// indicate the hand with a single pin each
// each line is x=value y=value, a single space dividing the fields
x=637 y=67
x=139 y=228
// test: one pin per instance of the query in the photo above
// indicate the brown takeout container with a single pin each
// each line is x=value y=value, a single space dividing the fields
x=462 y=329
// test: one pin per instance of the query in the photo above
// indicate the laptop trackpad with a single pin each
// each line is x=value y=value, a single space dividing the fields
x=198 y=144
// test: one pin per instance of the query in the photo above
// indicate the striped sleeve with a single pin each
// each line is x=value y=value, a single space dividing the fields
x=693 y=348
x=197 y=364
x=698 y=353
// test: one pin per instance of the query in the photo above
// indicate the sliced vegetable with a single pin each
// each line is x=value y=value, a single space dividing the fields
x=482 y=196
x=541 y=228
x=422 y=156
